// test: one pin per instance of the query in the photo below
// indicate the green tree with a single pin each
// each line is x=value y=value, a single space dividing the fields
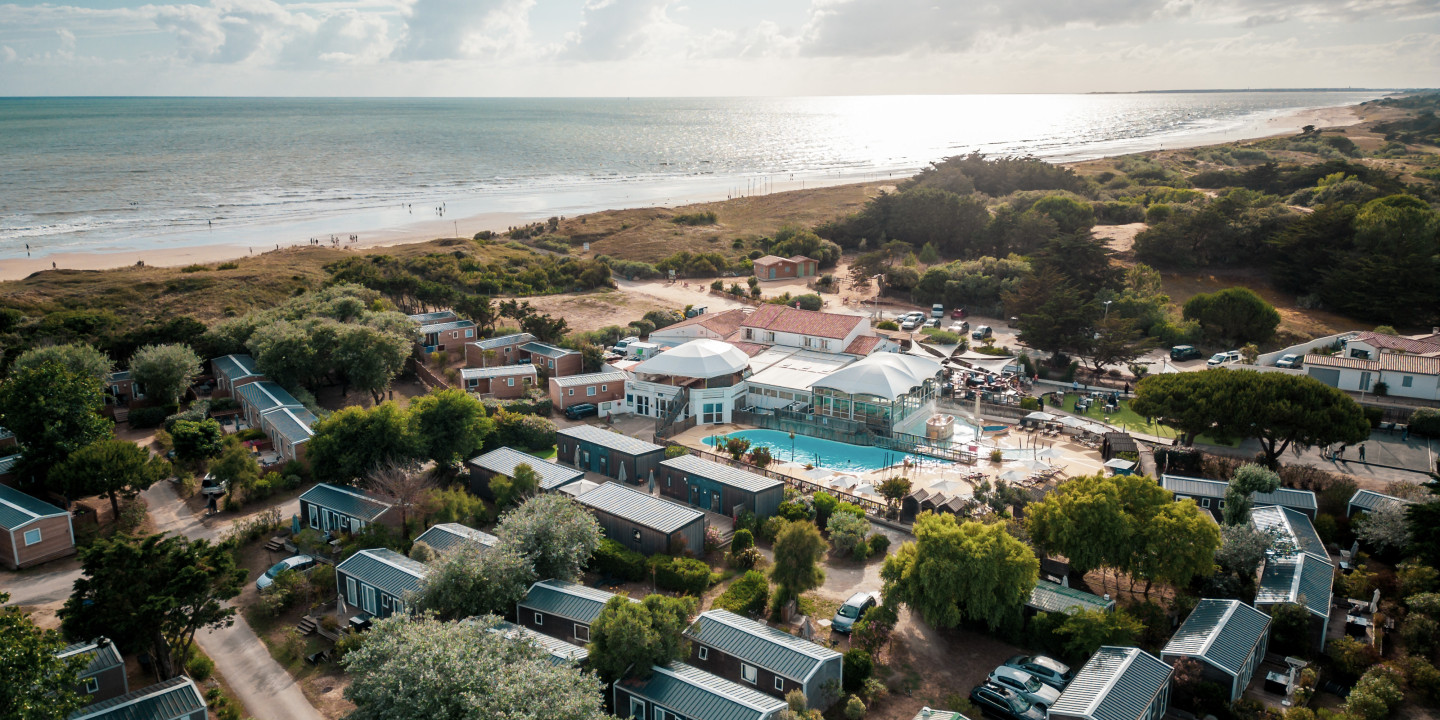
x=894 y=490
x=955 y=571
x=798 y=549
x=286 y=352
x=1117 y=341
x=165 y=371
x=455 y=504
x=847 y=534
x=78 y=357
x=197 y=439
x=1249 y=479
x=1384 y=529
x=1175 y=545
x=153 y=593
x=237 y=467
x=38 y=685
x=353 y=441
x=928 y=254
x=451 y=425
x=1084 y=520
x=1294 y=411
x=53 y=411
x=1234 y=315
x=420 y=668
x=370 y=358
x=1054 y=315
x=628 y=638
x=1070 y=215
x=1423 y=520
x=114 y=468
x=511 y=490
x=475 y=580
x=1085 y=631
x=1242 y=548
x=556 y=533
x=1191 y=403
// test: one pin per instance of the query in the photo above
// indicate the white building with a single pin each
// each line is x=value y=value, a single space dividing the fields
x=1371 y=345
x=705 y=377
x=882 y=390
x=783 y=376
x=1409 y=376
x=809 y=330
x=711 y=326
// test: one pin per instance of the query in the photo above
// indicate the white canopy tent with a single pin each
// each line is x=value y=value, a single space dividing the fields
x=703 y=358
x=887 y=375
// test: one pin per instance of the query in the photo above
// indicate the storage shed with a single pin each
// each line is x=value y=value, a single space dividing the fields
x=1227 y=637
x=103 y=676
x=448 y=536
x=608 y=453
x=329 y=507
x=377 y=582
x=32 y=531
x=1117 y=683
x=754 y=654
x=1053 y=597
x=174 y=699
x=719 y=488
x=645 y=523
x=502 y=461
x=688 y=693
x=562 y=609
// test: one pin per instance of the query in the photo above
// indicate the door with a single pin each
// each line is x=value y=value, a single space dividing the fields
x=369 y=599
x=715 y=501
x=772 y=273
x=637 y=709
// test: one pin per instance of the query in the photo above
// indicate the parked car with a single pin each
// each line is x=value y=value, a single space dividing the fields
x=1046 y=669
x=298 y=563
x=933 y=322
x=982 y=332
x=937 y=310
x=1229 y=357
x=1026 y=685
x=1290 y=361
x=1185 y=352
x=583 y=410
x=960 y=328
x=623 y=343
x=958 y=313
x=1001 y=702
x=852 y=610
x=209 y=485
x=911 y=323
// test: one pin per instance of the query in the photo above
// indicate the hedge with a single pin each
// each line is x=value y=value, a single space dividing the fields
x=858 y=666
x=747 y=596
x=148 y=417
x=534 y=404
x=683 y=575
x=525 y=432
x=616 y=560
x=1424 y=421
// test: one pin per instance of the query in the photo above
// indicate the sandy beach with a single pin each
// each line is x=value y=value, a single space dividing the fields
x=381 y=227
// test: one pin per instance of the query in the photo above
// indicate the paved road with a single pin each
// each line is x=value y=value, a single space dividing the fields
x=51 y=584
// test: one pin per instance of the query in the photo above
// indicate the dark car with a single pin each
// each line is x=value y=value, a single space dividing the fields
x=982 y=332
x=575 y=412
x=1002 y=702
x=1185 y=352
x=1047 y=670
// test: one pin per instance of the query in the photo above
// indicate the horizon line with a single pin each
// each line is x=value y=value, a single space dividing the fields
x=712 y=97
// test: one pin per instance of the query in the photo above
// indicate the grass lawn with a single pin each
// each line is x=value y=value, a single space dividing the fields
x=1131 y=421
x=547 y=454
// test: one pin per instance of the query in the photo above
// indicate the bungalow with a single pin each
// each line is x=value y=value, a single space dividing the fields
x=560 y=652
x=1227 y=637
x=1303 y=576
x=719 y=488
x=289 y=431
x=599 y=389
x=103 y=676
x=611 y=454
x=1415 y=377
x=233 y=371
x=329 y=507
x=773 y=267
x=755 y=654
x=444 y=329
x=7 y=467
x=1371 y=345
x=645 y=523
x=264 y=396
x=683 y=692
x=502 y=461
x=1370 y=501
x=710 y=326
x=378 y=582
x=1116 y=683
x=1056 y=598
x=562 y=609
x=505 y=381
x=503 y=350
x=448 y=536
x=121 y=390
x=175 y=699
x=556 y=361
x=1210 y=495
x=804 y=329
x=32 y=531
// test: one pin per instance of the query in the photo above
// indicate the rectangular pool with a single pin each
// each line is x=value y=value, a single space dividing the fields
x=826 y=454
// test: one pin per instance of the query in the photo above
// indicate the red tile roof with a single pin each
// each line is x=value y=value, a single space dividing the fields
x=769 y=260
x=721 y=323
x=863 y=345
x=749 y=348
x=783 y=318
x=1390 y=362
x=1397 y=342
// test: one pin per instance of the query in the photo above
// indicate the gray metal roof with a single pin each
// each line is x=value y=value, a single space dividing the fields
x=100 y=654
x=931 y=714
x=1054 y=597
x=235 y=367
x=1290 y=578
x=1291 y=524
x=1117 y=683
x=759 y=644
x=442 y=326
x=567 y=600
x=1225 y=633
x=642 y=509
x=266 y=395
x=546 y=350
x=119 y=376
x=347 y=501
x=607 y=439
x=9 y=462
x=293 y=424
x=174 y=698
x=694 y=693
x=503 y=460
x=561 y=652
x=498 y=371
x=432 y=317
x=723 y=474
x=17 y=508
x=447 y=536
x=503 y=340
x=590 y=379
x=1204 y=487
x=1369 y=500
x=385 y=569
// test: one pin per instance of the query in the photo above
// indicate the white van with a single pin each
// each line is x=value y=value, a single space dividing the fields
x=937 y=310
x=1229 y=357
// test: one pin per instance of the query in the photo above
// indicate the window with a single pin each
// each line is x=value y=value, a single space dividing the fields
x=1406 y=381
x=635 y=534
x=604 y=388
x=629 y=399
x=32 y=537
x=590 y=391
x=397 y=605
x=1204 y=502
x=369 y=599
x=510 y=382
x=570 y=391
x=805 y=342
x=582 y=632
x=92 y=685
x=661 y=715
x=637 y=709
x=1364 y=381
x=539 y=618
x=350 y=594
x=704 y=653
x=550 y=363
x=455 y=335
x=385 y=601
x=469 y=333
x=780 y=684
x=1222 y=504
x=748 y=672
x=749 y=334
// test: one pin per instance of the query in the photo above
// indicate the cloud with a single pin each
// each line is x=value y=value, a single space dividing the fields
x=447 y=29
x=7 y=53
x=621 y=29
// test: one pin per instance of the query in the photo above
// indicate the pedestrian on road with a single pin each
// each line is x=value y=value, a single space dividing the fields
x=1362 y=452
x=1405 y=435
x=1341 y=453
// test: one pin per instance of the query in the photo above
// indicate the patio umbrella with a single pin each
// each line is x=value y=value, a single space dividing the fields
x=1034 y=465
x=1069 y=421
x=1015 y=476
x=866 y=489
x=949 y=487
x=1049 y=453
x=844 y=482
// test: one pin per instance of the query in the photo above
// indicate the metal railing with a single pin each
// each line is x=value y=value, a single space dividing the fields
x=851 y=432
x=677 y=406
x=872 y=507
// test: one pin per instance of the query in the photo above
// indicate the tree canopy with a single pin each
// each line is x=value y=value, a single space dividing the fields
x=38 y=685
x=475 y=580
x=165 y=370
x=78 y=357
x=1234 y=316
x=53 y=411
x=798 y=549
x=450 y=425
x=556 y=533
x=113 y=468
x=955 y=571
x=630 y=638
x=1249 y=479
x=353 y=442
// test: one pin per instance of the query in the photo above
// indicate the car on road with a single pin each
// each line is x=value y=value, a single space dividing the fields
x=1185 y=352
x=209 y=485
x=933 y=322
x=583 y=410
x=298 y=563
x=958 y=313
x=960 y=328
x=937 y=310
x=911 y=322
x=1026 y=685
x=1229 y=357
x=982 y=332
x=1001 y=702
x=1046 y=669
x=1290 y=361
x=852 y=610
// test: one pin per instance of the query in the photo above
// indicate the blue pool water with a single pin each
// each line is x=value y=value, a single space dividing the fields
x=822 y=453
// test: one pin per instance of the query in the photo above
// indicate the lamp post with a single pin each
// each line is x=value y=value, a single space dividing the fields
x=1107 y=309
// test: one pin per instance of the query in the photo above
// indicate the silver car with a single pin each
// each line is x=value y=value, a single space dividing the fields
x=1026 y=685
x=852 y=610
x=298 y=563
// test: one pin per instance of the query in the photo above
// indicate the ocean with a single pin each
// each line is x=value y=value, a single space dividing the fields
x=110 y=174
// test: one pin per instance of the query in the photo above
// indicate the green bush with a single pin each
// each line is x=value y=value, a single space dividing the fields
x=879 y=545
x=857 y=669
x=525 y=432
x=1424 y=421
x=746 y=559
x=148 y=417
x=742 y=539
x=1029 y=403
x=854 y=708
x=684 y=575
x=250 y=434
x=747 y=596
x=199 y=667
x=794 y=510
x=771 y=527
x=616 y=560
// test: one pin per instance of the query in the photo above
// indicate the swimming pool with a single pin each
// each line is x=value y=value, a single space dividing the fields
x=826 y=454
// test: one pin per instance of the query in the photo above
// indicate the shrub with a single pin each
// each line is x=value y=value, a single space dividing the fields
x=1424 y=421
x=132 y=516
x=747 y=596
x=250 y=434
x=148 y=417
x=847 y=534
x=696 y=218
x=684 y=575
x=199 y=666
x=879 y=544
x=747 y=558
x=616 y=560
x=854 y=708
x=525 y=432
x=771 y=527
x=675 y=451
x=743 y=539
x=794 y=510
x=712 y=538
x=857 y=669
x=1419 y=633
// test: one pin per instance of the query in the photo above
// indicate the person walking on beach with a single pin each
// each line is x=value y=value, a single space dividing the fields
x=1362 y=452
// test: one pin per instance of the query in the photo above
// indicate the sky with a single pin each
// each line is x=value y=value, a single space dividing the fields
x=512 y=48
